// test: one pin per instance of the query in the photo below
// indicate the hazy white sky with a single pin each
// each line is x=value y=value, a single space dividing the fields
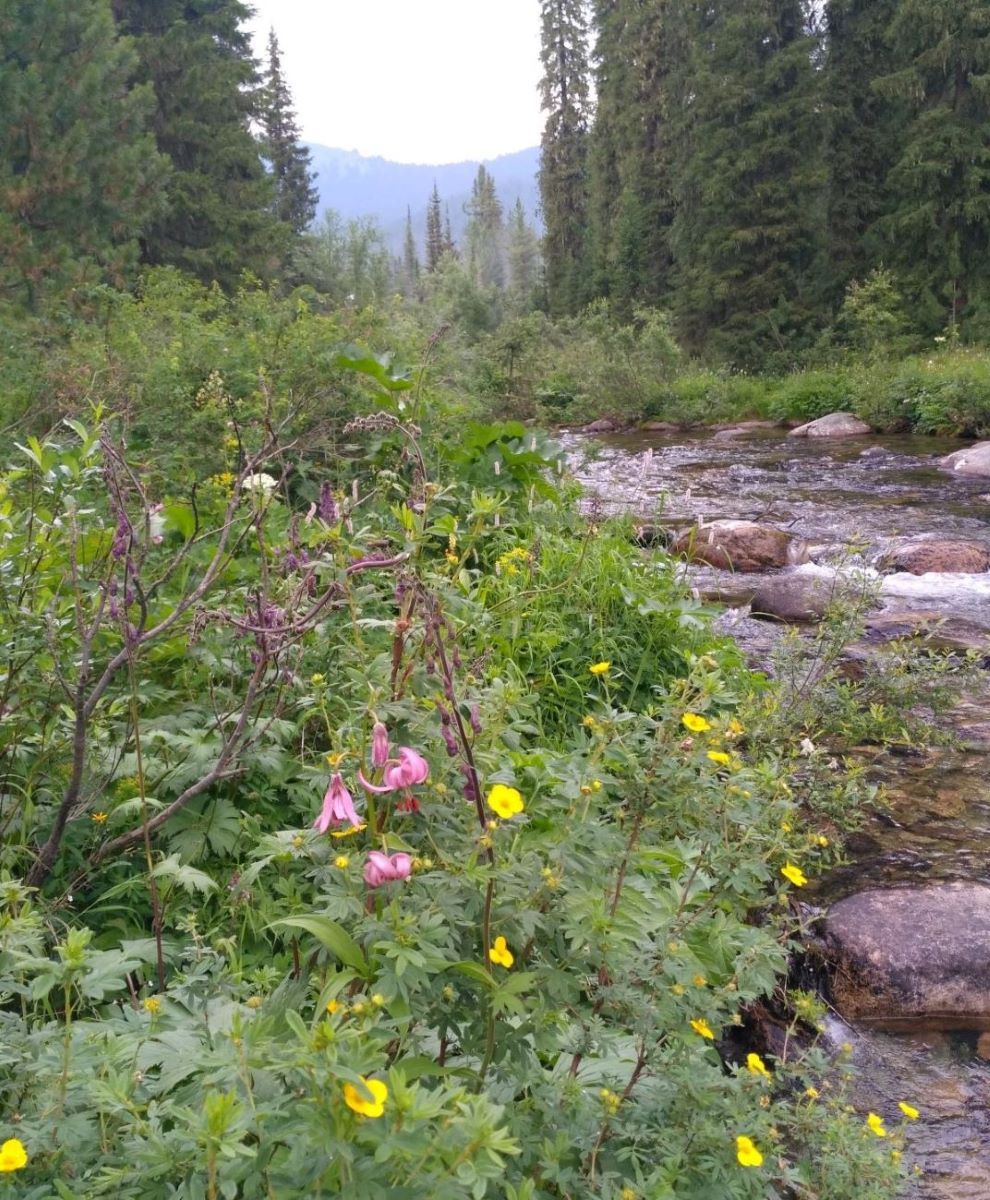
x=426 y=81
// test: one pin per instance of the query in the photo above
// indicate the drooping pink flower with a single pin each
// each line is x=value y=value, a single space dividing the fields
x=407 y=770
x=383 y=868
x=379 y=745
x=408 y=804
x=410 y=769
x=338 y=806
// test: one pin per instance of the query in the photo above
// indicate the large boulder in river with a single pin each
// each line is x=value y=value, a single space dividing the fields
x=799 y=599
x=742 y=546
x=947 y=631
x=603 y=425
x=835 y=425
x=974 y=460
x=942 y=555
x=913 y=958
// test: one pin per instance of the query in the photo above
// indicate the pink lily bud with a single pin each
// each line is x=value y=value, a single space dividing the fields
x=338 y=806
x=379 y=745
x=382 y=868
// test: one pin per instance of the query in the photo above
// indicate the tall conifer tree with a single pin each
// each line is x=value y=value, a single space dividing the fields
x=563 y=162
x=523 y=259
x=410 y=259
x=197 y=58
x=296 y=196
x=434 y=231
x=748 y=179
x=79 y=175
x=938 y=227
x=485 y=234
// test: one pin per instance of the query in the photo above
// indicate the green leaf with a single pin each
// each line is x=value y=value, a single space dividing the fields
x=474 y=971
x=336 y=939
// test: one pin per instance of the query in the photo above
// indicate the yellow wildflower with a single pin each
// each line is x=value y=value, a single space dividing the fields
x=812 y=1093
x=700 y=981
x=627 y=1193
x=701 y=1026
x=794 y=874
x=451 y=557
x=501 y=954
x=357 y=1102
x=506 y=801
x=596 y=785
x=895 y=1156
x=875 y=1125
x=908 y=1110
x=678 y=989
x=253 y=1002
x=13 y=1156
x=334 y=760
x=585 y=789
x=98 y=818
x=153 y=1005
x=378 y=1000
x=341 y=861
x=822 y=840
x=785 y=826
x=747 y=1153
x=735 y=728
x=600 y=668
x=695 y=723
x=720 y=757
x=610 y=1101
x=350 y=831
x=756 y=1066
x=334 y=1007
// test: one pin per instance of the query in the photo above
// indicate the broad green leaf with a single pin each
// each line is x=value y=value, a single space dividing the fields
x=336 y=939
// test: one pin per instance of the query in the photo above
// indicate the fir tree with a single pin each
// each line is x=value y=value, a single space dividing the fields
x=435 y=246
x=485 y=234
x=219 y=219
x=523 y=259
x=410 y=259
x=563 y=185
x=863 y=130
x=449 y=245
x=296 y=196
x=748 y=178
x=631 y=199
x=79 y=175
x=938 y=226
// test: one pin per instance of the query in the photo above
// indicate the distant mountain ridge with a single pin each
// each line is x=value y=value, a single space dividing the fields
x=358 y=186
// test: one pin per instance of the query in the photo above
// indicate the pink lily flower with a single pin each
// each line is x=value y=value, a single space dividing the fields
x=409 y=769
x=379 y=745
x=382 y=868
x=338 y=806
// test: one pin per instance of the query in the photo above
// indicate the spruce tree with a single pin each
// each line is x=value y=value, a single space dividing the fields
x=485 y=234
x=219 y=219
x=748 y=178
x=863 y=130
x=434 y=231
x=938 y=227
x=564 y=149
x=410 y=259
x=631 y=197
x=522 y=259
x=296 y=196
x=79 y=175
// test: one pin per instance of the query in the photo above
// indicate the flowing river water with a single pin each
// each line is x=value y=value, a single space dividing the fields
x=852 y=500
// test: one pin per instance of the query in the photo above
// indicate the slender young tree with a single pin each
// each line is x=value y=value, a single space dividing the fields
x=523 y=259
x=937 y=229
x=197 y=58
x=296 y=196
x=564 y=92
x=435 y=246
x=410 y=259
x=79 y=174
x=485 y=234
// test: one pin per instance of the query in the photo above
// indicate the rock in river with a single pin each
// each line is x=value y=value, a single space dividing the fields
x=913 y=958
x=940 y=554
x=797 y=599
x=974 y=460
x=742 y=546
x=841 y=424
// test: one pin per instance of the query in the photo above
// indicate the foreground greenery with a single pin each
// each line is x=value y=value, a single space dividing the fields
x=544 y=984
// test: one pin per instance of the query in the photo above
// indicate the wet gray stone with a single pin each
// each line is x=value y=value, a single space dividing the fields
x=841 y=424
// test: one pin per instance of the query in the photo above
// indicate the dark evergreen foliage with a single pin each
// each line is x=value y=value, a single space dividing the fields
x=196 y=56
x=435 y=241
x=79 y=175
x=563 y=181
x=296 y=196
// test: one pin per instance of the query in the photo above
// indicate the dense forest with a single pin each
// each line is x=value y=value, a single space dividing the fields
x=377 y=815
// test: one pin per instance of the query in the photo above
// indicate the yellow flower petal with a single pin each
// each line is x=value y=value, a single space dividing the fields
x=794 y=874
x=600 y=668
x=747 y=1153
x=13 y=1156
x=702 y=1027
x=756 y=1066
x=358 y=1102
x=500 y=953
x=695 y=723
x=719 y=756
x=506 y=801
x=908 y=1110
x=875 y=1125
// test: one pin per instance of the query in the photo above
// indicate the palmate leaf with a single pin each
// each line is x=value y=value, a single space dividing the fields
x=213 y=825
x=184 y=876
